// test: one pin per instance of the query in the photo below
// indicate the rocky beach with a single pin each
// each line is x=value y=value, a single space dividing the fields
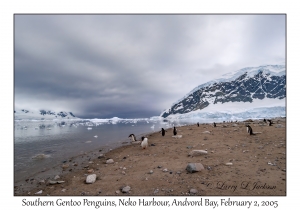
x=200 y=160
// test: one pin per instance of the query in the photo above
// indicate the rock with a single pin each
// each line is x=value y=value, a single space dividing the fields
x=91 y=178
x=177 y=136
x=165 y=170
x=156 y=191
x=206 y=132
x=39 y=192
x=109 y=161
x=101 y=156
x=234 y=125
x=90 y=171
x=63 y=190
x=125 y=189
x=64 y=166
x=150 y=172
x=56 y=177
x=229 y=164
x=197 y=152
x=55 y=182
x=193 y=191
x=194 y=167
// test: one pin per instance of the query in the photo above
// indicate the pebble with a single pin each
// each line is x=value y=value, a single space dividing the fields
x=165 y=170
x=91 y=178
x=206 y=132
x=150 y=172
x=100 y=156
x=229 y=164
x=197 y=152
x=39 y=192
x=193 y=191
x=56 y=177
x=90 y=170
x=55 y=182
x=126 y=189
x=156 y=191
x=109 y=161
x=64 y=166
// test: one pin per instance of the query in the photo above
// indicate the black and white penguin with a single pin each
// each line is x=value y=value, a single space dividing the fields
x=265 y=120
x=163 y=131
x=270 y=122
x=249 y=130
x=215 y=124
x=132 y=137
x=198 y=124
x=174 y=131
x=144 y=143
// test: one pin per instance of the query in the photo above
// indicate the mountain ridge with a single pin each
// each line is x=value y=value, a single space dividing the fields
x=42 y=114
x=242 y=85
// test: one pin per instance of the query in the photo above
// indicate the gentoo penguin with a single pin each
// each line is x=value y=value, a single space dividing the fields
x=265 y=120
x=215 y=124
x=270 y=122
x=144 y=143
x=174 y=131
x=198 y=124
x=132 y=137
x=249 y=130
x=163 y=131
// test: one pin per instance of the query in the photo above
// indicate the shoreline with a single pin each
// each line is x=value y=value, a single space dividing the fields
x=161 y=169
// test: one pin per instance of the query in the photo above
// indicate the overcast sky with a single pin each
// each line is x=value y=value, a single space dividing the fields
x=131 y=66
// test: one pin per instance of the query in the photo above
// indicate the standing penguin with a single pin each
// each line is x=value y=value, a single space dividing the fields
x=163 y=131
x=132 y=137
x=198 y=124
x=215 y=124
x=144 y=143
x=270 y=122
x=174 y=131
x=249 y=130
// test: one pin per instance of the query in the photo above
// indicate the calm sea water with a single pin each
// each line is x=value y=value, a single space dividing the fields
x=39 y=145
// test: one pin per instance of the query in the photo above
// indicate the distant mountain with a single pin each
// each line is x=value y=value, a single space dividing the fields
x=42 y=114
x=246 y=85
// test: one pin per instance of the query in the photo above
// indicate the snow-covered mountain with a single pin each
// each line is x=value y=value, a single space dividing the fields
x=42 y=114
x=239 y=91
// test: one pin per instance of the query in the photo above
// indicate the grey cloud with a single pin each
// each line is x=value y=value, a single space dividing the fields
x=133 y=65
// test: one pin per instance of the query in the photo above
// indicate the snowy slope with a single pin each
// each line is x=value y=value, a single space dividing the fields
x=26 y=114
x=247 y=88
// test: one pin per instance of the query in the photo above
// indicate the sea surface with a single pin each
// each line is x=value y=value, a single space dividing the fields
x=41 y=144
